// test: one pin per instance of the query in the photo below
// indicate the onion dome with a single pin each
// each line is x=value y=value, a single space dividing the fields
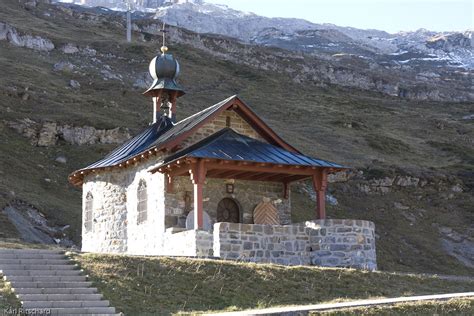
x=164 y=70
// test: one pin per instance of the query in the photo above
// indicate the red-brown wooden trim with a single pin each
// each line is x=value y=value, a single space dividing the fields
x=268 y=168
x=320 y=181
x=247 y=114
x=260 y=126
x=286 y=190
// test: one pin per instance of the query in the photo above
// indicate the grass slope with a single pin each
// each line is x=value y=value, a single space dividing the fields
x=140 y=285
x=461 y=307
x=377 y=134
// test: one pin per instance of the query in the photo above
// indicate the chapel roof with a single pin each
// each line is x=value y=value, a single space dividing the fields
x=164 y=135
x=227 y=144
x=154 y=136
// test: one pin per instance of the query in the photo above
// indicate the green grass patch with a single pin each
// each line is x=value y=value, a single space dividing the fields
x=141 y=285
x=386 y=144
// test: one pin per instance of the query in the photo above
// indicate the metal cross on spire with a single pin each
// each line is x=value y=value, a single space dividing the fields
x=164 y=49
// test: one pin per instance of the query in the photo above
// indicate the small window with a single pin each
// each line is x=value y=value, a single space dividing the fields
x=227 y=121
x=141 y=202
x=88 y=212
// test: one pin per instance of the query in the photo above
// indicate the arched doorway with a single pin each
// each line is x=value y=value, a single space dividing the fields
x=228 y=211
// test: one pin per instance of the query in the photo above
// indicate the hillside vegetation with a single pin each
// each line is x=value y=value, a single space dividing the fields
x=424 y=227
x=141 y=285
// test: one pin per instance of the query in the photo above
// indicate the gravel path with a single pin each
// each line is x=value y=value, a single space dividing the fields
x=296 y=310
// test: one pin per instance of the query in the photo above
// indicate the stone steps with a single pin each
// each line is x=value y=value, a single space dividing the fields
x=82 y=311
x=41 y=272
x=30 y=267
x=89 y=290
x=32 y=261
x=59 y=297
x=64 y=304
x=47 y=279
x=48 y=285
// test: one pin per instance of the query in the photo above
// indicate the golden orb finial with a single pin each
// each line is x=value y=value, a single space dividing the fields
x=164 y=49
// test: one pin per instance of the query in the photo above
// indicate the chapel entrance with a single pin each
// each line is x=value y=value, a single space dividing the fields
x=228 y=211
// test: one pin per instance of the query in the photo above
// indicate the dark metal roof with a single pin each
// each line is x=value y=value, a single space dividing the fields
x=189 y=123
x=135 y=145
x=230 y=145
x=154 y=136
x=164 y=69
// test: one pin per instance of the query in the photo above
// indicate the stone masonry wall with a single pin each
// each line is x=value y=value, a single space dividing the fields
x=115 y=228
x=237 y=123
x=330 y=242
x=247 y=194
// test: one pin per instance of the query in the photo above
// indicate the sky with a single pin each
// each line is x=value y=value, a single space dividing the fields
x=388 y=15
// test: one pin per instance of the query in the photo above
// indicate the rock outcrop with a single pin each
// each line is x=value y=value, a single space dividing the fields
x=10 y=34
x=51 y=133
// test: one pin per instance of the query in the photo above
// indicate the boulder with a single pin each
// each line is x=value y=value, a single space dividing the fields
x=48 y=135
x=64 y=66
x=74 y=84
x=61 y=159
x=407 y=181
x=69 y=49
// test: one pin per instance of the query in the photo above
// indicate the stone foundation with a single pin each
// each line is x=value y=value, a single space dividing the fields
x=331 y=243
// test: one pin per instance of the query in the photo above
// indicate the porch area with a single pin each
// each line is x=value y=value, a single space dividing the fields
x=330 y=243
x=232 y=156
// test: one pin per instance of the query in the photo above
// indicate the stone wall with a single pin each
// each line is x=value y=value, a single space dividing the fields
x=333 y=243
x=237 y=123
x=114 y=216
x=247 y=194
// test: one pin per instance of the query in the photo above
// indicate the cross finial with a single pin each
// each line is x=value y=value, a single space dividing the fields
x=164 y=49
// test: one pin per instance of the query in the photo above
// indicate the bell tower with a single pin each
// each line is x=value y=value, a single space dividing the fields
x=164 y=90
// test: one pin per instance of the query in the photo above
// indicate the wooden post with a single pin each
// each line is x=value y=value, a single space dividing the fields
x=286 y=190
x=198 y=176
x=320 y=182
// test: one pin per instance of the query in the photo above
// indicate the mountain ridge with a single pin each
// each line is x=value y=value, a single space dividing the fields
x=415 y=65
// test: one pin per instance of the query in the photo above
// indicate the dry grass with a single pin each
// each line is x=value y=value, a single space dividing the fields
x=141 y=285
x=461 y=307
x=14 y=243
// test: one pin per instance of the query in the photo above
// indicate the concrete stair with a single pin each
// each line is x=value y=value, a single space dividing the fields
x=47 y=279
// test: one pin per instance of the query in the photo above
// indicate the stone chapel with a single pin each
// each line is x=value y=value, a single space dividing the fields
x=215 y=184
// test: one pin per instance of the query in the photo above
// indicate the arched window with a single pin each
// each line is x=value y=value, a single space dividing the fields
x=88 y=212
x=141 y=202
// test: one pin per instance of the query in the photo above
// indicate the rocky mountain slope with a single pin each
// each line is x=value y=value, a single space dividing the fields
x=71 y=88
x=413 y=65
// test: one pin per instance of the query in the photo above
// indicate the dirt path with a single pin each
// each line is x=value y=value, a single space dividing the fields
x=462 y=278
x=370 y=302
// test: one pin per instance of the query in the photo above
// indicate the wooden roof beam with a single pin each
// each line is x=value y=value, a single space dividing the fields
x=289 y=179
x=268 y=168
x=263 y=176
